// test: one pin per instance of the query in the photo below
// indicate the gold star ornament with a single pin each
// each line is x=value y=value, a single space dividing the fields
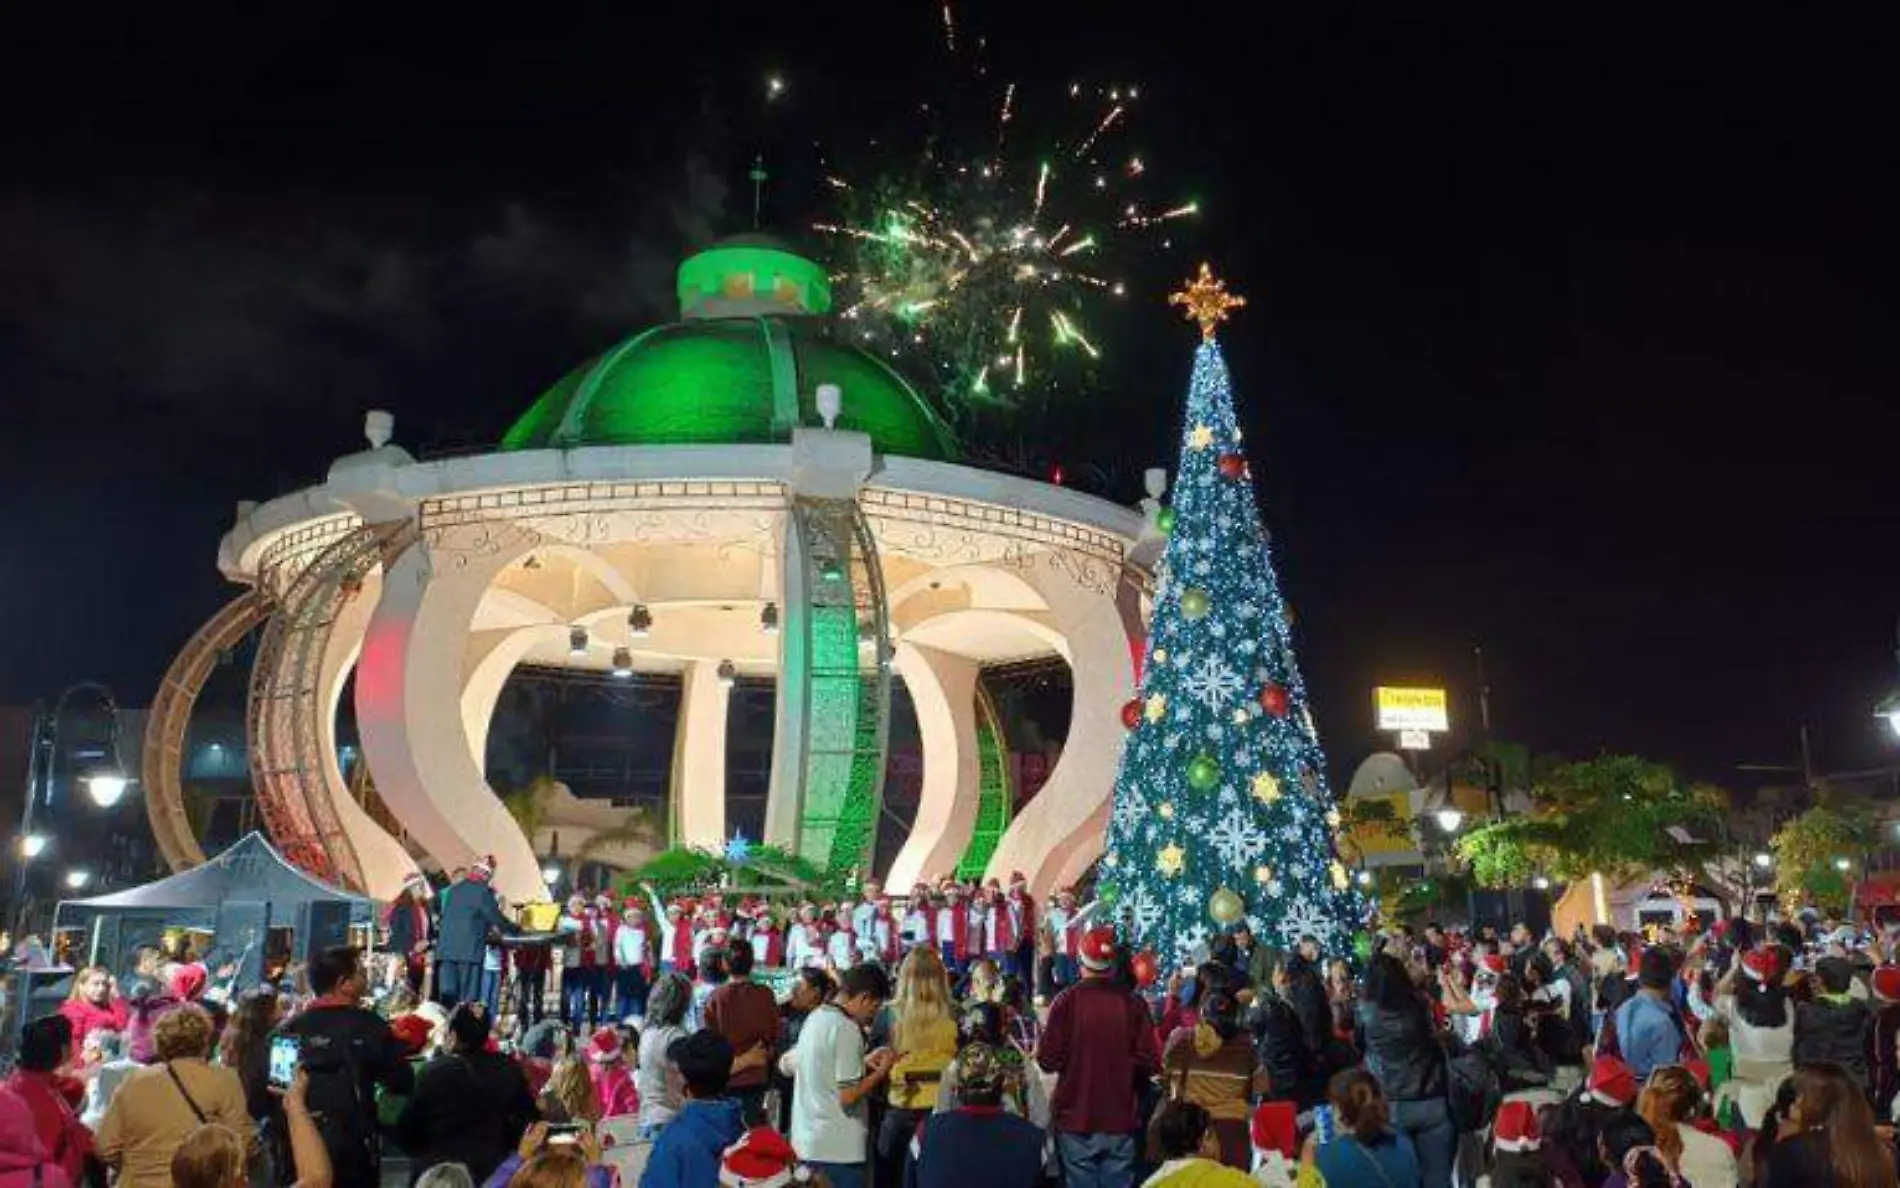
x=1156 y=707
x=1266 y=789
x=1172 y=860
x=1201 y=437
x=1207 y=301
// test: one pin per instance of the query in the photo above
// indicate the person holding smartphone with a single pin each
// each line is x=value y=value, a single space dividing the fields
x=834 y=1078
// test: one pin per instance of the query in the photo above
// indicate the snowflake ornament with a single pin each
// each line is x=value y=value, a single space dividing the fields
x=1212 y=683
x=1236 y=841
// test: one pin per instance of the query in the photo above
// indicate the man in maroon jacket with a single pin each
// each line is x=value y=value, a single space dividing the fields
x=1100 y=1044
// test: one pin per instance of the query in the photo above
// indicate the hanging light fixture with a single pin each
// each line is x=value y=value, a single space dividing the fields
x=639 y=621
x=768 y=618
x=623 y=662
x=577 y=642
x=727 y=673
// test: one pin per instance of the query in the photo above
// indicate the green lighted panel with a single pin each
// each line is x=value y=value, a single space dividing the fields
x=849 y=712
x=993 y=797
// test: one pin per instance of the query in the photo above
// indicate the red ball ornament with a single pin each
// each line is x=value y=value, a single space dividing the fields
x=1273 y=699
x=1232 y=466
x=1145 y=967
x=1131 y=713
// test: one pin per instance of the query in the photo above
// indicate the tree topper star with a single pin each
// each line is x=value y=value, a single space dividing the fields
x=1207 y=301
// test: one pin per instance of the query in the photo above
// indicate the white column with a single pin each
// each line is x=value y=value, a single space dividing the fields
x=699 y=758
x=1065 y=827
x=785 y=794
x=409 y=683
x=943 y=688
x=385 y=864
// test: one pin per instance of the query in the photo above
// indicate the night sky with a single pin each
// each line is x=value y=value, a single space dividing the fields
x=1572 y=333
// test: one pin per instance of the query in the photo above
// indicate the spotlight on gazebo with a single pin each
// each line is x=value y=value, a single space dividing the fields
x=623 y=662
x=32 y=845
x=577 y=642
x=75 y=879
x=727 y=673
x=768 y=618
x=639 y=621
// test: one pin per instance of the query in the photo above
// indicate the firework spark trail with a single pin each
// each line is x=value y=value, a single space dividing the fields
x=948 y=257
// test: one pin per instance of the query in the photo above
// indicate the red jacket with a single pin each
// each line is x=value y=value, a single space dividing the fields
x=87 y=1018
x=1098 y=1041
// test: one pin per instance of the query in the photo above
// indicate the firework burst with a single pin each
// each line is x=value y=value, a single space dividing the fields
x=985 y=266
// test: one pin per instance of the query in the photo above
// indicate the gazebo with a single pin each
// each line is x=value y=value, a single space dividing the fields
x=742 y=493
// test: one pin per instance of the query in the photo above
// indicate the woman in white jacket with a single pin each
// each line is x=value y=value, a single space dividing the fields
x=1761 y=1032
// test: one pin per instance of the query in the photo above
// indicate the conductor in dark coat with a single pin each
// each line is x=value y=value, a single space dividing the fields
x=470 y=912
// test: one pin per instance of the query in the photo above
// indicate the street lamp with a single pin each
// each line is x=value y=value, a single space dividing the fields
x=1764 y=859
x=106 y=787
x=75 y=879
x=550 y=875
x=1843 y=865
x=1449 y=819
x=1541 y=882
x=105 y=784
x=1888 y=707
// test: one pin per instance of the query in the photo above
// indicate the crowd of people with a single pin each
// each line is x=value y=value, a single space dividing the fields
x=1709 y=1059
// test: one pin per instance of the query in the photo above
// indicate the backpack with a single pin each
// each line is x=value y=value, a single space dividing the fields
x=1473 y=1090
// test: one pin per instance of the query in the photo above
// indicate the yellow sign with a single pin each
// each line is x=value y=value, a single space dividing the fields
x=1411 y=709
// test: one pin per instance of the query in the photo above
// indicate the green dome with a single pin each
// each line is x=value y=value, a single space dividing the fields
x=744 y=366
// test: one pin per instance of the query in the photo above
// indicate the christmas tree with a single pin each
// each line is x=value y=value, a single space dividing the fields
x=1222 y=811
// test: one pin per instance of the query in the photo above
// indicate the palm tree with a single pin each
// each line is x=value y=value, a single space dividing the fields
x=636 y=828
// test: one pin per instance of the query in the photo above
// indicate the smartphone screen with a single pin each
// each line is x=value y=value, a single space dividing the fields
x=564 y=1132
x=284 y=1051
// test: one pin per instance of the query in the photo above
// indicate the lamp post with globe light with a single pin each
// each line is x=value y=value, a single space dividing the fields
x=105 y=785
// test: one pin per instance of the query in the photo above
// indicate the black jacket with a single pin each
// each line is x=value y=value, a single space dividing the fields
x=1307 y=994
x=1836 y=1033
x=348 y=1052
x=469 y=913
x=1401 y=1049
x=470 y=1110
x=1291 y=1066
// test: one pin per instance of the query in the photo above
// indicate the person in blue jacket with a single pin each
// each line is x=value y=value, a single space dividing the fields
x=687 y=1153
x=470 y=912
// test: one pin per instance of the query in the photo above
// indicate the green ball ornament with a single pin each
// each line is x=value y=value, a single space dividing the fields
x=1109 y=894
x=1203 y=772
x=1362 y=945
x=1195 y=602
x=1164 y=520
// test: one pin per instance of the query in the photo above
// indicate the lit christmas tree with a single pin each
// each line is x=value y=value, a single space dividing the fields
x=1222 y=810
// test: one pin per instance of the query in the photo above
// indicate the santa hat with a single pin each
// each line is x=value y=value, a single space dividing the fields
x=483 y=869
x=1886 y=983
x=674 y=909
x=412 y=1033
x=762 y=1158
x=1761 y=965
x=1516 y=1127
x=1495 y=965
x=1276 y=1127
x=604 y=1047
x=1612 y=1083
x=1097 y=949
x=187 y=981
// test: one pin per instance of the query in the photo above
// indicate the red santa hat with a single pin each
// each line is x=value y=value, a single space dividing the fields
x=762 y=1158
x=605 y=1046
x=1886 y=983
x=1516 y=1127
x=1495 y=965
x=674 y=909
x=1612 y=1083
x=1097 y=950
x=483 y=869
x=187 y=981
x=1761 y=965
x=411 y=1032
